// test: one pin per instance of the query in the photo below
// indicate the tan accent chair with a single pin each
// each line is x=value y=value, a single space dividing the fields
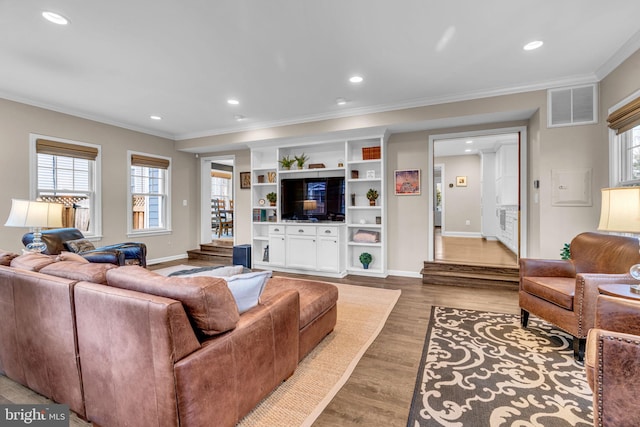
x=564 y=292
x=613 y=362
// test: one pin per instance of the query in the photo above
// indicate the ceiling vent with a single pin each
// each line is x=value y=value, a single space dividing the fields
x=572 y=106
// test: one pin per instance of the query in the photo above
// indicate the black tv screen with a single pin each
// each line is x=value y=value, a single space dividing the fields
x=328 y=194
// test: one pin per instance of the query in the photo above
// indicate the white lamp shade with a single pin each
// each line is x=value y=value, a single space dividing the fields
x=620 y=210
x=27 y=213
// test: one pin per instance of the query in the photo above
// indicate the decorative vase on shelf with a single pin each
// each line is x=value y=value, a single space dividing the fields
x=372 y=202
x=365 y=259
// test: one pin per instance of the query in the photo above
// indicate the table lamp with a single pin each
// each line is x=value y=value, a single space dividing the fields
x=37 y=215
x=621 y=213
x=309 y=205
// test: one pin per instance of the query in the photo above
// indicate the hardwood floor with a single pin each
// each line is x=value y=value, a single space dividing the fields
x=379 y=391
x=472 y=251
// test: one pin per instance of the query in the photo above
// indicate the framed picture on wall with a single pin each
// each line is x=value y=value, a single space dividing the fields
x=245 y=179
x=407 y=182
x=461 y=181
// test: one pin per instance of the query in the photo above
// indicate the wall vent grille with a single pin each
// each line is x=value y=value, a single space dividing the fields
x=572 y=106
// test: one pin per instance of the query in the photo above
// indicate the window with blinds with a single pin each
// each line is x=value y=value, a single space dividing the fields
x=65 y=173
x=149 y=193
x=625 y=122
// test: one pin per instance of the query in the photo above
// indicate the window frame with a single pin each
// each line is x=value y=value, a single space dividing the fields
x=95 y=175
x=167 y=229
x=617 y=153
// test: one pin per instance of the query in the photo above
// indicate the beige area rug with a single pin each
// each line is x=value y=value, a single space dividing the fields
x=362 y=313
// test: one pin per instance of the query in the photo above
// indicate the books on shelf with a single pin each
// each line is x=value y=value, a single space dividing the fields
x=259 y=215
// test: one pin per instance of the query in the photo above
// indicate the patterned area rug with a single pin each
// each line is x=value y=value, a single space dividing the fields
x=484 y=369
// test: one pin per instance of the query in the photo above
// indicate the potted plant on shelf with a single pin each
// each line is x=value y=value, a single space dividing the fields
x=286 y=162
x=272 y=197
x=365 y=259
x=372 y=195
x=300 y=160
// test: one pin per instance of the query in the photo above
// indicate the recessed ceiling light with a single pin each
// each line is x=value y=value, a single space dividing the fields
x=239 y=117
x=533 y=45
x=233 y=101
x=356 y=79
x=469 y=142
x=341 y=101
x=468 y=150
x=56 y=18
x=155 y=117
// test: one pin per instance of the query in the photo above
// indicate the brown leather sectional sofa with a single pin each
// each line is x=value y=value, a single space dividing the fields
x=178 y=356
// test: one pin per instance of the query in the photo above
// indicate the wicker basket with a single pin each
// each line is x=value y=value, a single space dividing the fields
x=370 y=153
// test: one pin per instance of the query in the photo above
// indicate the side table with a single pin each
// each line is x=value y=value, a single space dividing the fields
x=618 y=290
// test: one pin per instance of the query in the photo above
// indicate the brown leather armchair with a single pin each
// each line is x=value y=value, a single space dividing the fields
x=613 y=362
x=564 y=292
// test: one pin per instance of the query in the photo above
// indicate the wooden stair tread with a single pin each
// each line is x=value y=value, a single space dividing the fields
x=461 y=274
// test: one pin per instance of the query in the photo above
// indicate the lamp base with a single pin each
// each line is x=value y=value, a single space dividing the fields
x=37 y=245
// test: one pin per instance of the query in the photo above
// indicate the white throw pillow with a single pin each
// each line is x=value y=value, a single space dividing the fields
x=247 y=288
x=210 y=271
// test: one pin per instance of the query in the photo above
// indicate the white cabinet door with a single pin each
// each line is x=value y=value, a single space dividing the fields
x=328 y=254
x=277 y=249
x=301 y=252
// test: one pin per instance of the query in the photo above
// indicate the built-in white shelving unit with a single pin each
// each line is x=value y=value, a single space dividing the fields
x=329 y=248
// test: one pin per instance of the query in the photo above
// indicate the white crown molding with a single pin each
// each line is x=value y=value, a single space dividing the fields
x=627 y=49
x=84 y=115
x=422 y=102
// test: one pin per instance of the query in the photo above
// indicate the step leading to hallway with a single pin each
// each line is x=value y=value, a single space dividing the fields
x=218 y=251
x=472 y=275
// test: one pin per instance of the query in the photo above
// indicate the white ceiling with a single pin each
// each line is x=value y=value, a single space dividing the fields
x=287 y=61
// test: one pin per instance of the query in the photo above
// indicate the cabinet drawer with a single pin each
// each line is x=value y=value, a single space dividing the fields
x=327 y=231
x=276 y=229
x=301 y=230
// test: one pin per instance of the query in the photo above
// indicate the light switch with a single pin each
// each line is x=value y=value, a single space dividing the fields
x=184 y=202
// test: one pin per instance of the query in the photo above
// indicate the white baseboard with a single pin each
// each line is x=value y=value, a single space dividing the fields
x=461 y=234
x=166 y=259
x=403 y=273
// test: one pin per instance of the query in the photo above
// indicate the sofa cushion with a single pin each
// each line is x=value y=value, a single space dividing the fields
x=79 y=245
x=6 y=257
x=556 y=290
x=70 y=256
x=32 y=261
x=315 y=297
x=207 y=300
x=94 y=272
x=247 y=288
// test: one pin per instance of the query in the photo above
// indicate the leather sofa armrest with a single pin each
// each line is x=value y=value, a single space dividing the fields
x=104 y=256
x=131 y=250
x=613 y=366
x=231 y=373
x=586 y=295
x=530 y=267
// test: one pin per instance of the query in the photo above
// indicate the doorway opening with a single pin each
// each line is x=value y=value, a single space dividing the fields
x=477 y=195
x=217 y=201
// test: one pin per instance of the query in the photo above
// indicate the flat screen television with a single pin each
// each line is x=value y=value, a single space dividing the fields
x=297 y=197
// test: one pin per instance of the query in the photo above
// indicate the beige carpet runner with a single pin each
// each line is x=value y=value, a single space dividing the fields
x=362 y=313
